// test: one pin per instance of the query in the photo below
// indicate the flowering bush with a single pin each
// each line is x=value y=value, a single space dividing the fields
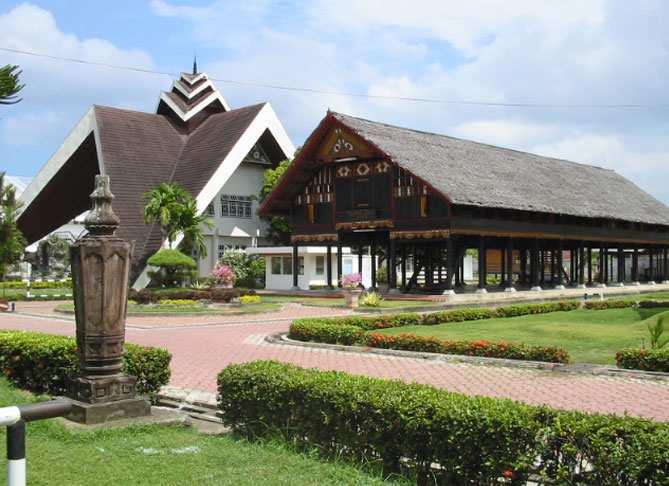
x=350 y=280
x=178 y=302
x=641 y=359
x=249 y=299
x=223 y=274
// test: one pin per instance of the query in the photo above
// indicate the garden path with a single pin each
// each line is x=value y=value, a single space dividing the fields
x=204 y=345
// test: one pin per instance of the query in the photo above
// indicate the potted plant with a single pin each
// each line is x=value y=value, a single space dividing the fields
x=350 y=290
x=224 y=276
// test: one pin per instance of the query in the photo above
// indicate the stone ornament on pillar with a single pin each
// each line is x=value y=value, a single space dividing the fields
x=100 y=268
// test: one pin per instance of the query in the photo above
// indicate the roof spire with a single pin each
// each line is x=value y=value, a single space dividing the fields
x=194 y=63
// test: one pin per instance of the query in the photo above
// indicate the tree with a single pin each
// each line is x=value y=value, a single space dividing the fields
x=9 y=85
x=190 y=226
x=278 y=231
x=176 y=213
x=12 y=241
x=175 y=267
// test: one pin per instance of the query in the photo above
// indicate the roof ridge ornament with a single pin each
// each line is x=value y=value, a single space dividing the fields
x=195 y=63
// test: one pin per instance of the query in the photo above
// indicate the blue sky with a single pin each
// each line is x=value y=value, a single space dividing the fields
x=566 y=53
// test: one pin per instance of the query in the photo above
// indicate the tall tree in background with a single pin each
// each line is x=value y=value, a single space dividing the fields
x=176 y=213
x=12 y=241
x=278 y=231
x=9 y=85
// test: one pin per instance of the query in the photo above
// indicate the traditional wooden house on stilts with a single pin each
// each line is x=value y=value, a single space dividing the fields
x=428 y=198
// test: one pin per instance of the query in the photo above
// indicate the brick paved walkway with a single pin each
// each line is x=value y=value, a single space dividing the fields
x=203 y=345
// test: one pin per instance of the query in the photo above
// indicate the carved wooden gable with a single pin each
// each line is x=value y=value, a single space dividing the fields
x=340 y=144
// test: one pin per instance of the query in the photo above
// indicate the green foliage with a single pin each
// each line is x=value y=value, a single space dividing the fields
x=408 y=428
x=278 y=230
x=656 y=331
x=458 y=315
x=43 y=362
x=244 y=265
x=146 y=296
x=641 y=359
x=10 y=85
x=348 y=335
x=175 y=211
x=371 y=299
x=609 y=304
x=67 y=284
x=174 y=267
x=12 y=241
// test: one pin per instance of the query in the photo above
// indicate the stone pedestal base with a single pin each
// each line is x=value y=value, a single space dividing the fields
x=98 y=413
x=510 y=289
x=536 y=288
x=618 y=284
x=295 y=288
x=329 y=288
x=651 y=282
x=99 y=389
x=394 y=291
x=665 y=282
x=581 y=286
x=559 y=287
x=635 y=284
x=601 y=286
x=481 y=290
x=448 y=292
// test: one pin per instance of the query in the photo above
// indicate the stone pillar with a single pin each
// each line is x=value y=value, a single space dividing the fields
x=404 y=266
x=329 y=268
x=635 y=266
x=450 y=264
x=621 y=267
x=535 y=265
x=100 y=267
x=391 y=267
x=360 y=285
x=602 y=266
x=651 y=268
x=481 y=289
x=296 y=268
x=665 y=269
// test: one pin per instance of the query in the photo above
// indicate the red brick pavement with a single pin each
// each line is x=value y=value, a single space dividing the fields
x=203 y=345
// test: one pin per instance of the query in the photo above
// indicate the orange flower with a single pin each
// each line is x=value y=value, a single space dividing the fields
x=508 y=474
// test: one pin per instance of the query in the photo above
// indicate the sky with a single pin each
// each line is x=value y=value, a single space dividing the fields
x=582 y=80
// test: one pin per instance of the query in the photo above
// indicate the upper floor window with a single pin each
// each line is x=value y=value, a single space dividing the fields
x=210 y=211
x=235 y=206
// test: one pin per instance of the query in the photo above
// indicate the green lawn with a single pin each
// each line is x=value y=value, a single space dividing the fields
x=591 y=336
x=165 y=455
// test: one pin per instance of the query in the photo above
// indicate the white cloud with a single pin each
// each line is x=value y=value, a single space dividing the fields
x=30 y=129
x=505 y=133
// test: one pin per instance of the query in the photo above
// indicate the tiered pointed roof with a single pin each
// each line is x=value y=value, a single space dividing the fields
x=194 y=138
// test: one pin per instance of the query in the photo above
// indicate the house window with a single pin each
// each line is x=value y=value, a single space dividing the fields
x=221 y=251
x=320 y=265
x=235 y=206
x=276 y=265
x=284 y=266
x=210 y=211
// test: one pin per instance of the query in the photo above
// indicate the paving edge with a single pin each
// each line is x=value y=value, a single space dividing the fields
x=578 y=368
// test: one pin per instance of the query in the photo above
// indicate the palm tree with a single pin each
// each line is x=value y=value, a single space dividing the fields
x=190 y=224
x=12 y=241
x=9 y=85
x=165 y=205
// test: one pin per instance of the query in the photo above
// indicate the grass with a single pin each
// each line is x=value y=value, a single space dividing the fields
x=591 y=336
x=166 y=455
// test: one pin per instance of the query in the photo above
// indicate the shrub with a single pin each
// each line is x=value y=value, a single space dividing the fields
x=474 y=440
x=175 y=267
x=246 y=283
x=223 y=274
x=58 y=284
x=325 y=333
x=371 y=299
x=488 y=349
x=609 y=304
x=249 y=299
x=42 y=362
x=178 y=302
x=458 y=315
x=146 y=296
x=642 y=359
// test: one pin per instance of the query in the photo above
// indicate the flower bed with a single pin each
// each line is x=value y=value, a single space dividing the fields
x=410 y=428
x=642 y=359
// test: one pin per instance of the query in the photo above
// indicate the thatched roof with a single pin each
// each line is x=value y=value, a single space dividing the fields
x=476 y=174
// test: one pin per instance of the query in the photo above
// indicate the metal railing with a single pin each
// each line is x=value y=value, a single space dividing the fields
x=15 y=418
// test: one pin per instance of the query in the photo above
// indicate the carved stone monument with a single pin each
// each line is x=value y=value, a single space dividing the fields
x=100 y=267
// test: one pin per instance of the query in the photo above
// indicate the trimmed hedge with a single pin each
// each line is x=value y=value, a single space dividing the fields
x=145 y=296
x=612 y=304
x=487 y=349
x=642 y=359
x=42 y=363
x=408 y=428
x=58 y=284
